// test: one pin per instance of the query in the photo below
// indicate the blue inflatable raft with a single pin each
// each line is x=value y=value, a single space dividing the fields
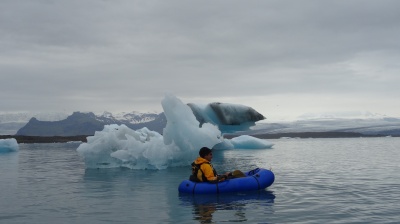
x=255 y=180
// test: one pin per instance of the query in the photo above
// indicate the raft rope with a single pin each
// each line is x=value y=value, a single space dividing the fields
x=252 y=172
x=195 y=183
x=258 y=183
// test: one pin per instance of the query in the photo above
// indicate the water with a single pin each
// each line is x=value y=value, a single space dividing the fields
x=353 y=180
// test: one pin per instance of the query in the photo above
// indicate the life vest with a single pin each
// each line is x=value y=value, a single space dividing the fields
x=197 y=172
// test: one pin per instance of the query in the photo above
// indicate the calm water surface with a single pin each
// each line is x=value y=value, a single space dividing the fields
x=353 y=180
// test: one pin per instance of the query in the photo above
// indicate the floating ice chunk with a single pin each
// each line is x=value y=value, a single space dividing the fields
x=184 y=130
x=120 y=146
x=228 y=117
x=183 y=136
x=8 y=145
x=225 y=144
x=249 y=142
x=235 y=114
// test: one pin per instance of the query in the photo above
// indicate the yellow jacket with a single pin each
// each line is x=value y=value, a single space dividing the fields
x=207 y=169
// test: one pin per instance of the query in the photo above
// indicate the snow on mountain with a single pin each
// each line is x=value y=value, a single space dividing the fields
x=10 y=123
x=133 y=117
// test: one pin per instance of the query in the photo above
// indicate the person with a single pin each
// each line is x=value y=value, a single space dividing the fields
x=203 y=171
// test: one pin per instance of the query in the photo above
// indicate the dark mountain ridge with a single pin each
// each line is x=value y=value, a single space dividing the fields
x=84 y=124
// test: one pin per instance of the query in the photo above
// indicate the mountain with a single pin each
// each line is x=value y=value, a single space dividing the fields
x=221 y=114
x=131 y=117
x=87 y=123
x=10 y=123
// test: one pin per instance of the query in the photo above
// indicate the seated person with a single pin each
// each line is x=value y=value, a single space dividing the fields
x=203 y=171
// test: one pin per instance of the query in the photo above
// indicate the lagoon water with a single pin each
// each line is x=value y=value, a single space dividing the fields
x=355 y=180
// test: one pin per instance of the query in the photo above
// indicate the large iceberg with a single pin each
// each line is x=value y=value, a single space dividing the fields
x=8 y=145
x=183 y=136
x=228 y=117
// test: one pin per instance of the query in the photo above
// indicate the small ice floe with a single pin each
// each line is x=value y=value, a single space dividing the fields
x=8 y=145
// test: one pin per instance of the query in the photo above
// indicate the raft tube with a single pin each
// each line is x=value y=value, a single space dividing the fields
x=255 y=180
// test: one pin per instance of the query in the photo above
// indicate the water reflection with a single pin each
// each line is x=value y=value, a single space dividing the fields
x=8 y=176
x=205 y=207
x=204 y=213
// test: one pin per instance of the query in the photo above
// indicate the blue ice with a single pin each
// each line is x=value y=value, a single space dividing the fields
x=183 y=136
x=8 y=145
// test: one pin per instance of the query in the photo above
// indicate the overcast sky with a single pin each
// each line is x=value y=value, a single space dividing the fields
x=283 y=58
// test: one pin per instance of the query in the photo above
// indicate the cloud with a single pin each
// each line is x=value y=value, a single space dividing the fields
x=124 y=55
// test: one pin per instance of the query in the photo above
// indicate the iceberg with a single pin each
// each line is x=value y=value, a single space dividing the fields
x=8 y=145
x=228 y=117
x=183 y=135
x=249 y=142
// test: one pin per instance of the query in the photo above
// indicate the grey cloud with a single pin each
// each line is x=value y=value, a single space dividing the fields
x=123 y=51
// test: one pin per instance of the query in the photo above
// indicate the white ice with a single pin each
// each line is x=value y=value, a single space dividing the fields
x=249 y=142
x=8 y=145
x=120 y=146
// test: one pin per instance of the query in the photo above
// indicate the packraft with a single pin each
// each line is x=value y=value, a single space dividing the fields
x=256 y=179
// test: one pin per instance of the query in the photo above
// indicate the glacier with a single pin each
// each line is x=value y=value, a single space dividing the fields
x=8 y=145
x=183 y=135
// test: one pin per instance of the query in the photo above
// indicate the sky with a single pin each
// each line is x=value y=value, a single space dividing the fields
x=282 y=58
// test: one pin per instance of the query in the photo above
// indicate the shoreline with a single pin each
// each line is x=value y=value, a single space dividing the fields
x=82 y=138
x=45 y=139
